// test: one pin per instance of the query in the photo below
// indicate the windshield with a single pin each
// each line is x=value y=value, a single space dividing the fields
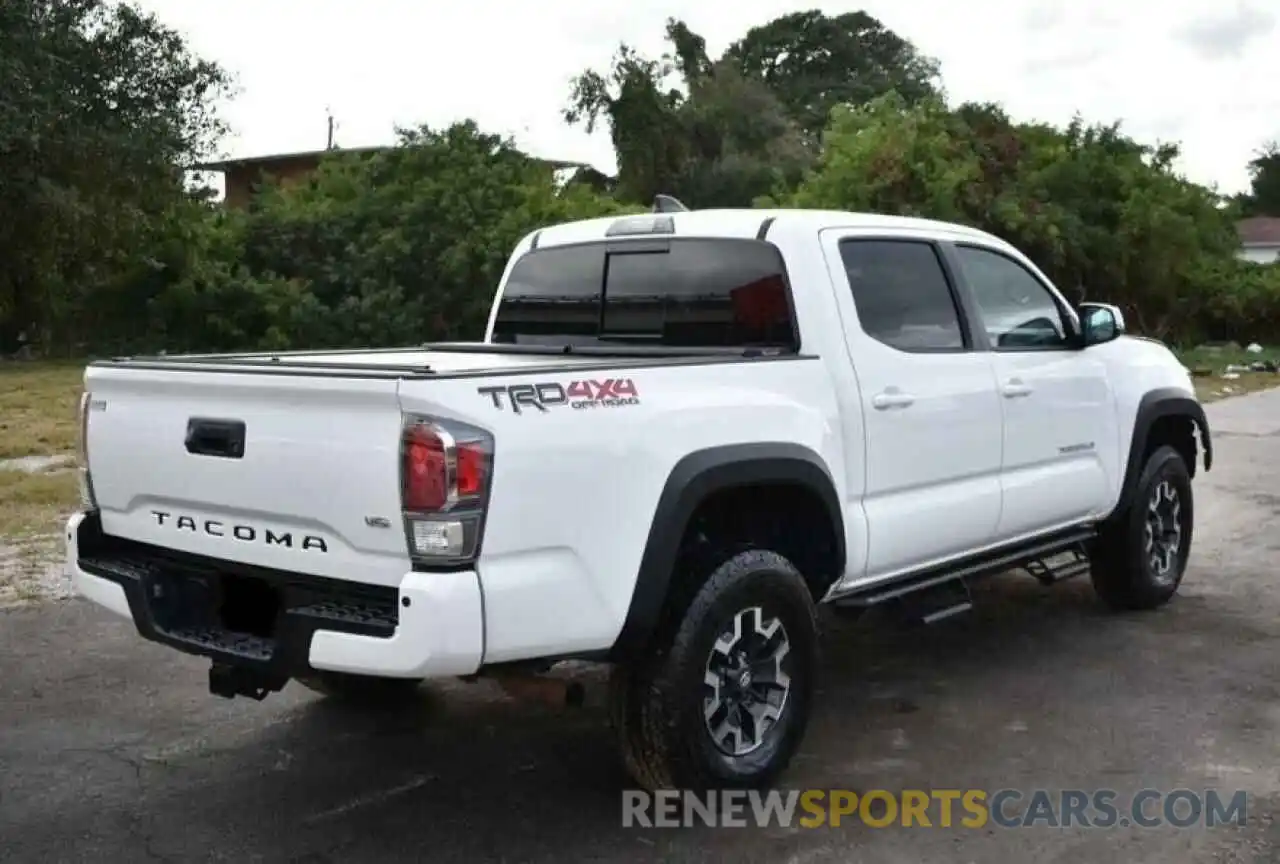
x=682 y=293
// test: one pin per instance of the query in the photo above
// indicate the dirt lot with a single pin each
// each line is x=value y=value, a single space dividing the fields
x=112 y=749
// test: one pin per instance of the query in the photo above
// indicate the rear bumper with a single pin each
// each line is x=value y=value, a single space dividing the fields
x=431 y=625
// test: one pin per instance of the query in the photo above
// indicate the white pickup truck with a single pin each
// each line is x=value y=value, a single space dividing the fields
x=682 y=433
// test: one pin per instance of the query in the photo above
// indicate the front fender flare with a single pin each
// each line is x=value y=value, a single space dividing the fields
x=1158 y=403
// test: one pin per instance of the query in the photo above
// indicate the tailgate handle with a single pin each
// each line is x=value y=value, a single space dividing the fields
x=223 y=438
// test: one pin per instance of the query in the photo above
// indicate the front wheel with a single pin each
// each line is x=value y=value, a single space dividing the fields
x=724 y=699
x=1141 y=558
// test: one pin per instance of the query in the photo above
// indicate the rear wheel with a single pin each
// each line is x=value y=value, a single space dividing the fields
x=1141 y=558
x=723 y=698
x=360 y=689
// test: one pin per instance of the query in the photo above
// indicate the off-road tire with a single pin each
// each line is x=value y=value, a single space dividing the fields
x=656 y=702
x=1123 y=572
x=360 y=689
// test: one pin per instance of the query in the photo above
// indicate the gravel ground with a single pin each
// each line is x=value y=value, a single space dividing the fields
x=112 y=749
x=31 y=571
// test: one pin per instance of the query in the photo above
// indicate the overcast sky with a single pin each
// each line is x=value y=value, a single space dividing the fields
x=1194 y=71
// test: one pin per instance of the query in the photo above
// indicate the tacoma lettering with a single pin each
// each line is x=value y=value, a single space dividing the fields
x=244 y=533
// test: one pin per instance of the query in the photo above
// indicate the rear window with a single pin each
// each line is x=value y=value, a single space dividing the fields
x=694 y=293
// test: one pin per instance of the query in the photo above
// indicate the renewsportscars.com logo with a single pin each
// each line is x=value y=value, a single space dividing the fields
x=935 y=808
x=609 y=393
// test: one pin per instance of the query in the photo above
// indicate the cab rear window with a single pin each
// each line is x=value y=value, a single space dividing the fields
x=681 y=292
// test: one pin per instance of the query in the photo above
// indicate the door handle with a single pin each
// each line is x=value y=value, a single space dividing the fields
x=891 y=398
x=1014 y=388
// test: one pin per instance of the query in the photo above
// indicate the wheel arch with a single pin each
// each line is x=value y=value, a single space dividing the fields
x=695 y=479
x=1155 y=410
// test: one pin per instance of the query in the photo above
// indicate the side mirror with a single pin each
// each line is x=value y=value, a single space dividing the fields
x=1100 y=322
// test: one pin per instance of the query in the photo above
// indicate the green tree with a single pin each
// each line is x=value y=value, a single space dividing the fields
x=688 y=125
x=396 y=248
x=101 y=107
x=813 y=62
x=1106 y=217
x=641 y=112
x=721 y=131
x=740 y=141
x=1263 y=197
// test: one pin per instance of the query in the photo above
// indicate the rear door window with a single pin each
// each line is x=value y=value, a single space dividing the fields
x=902 y=295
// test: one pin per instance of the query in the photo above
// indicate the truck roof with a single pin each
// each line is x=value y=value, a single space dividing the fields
x=746 y=222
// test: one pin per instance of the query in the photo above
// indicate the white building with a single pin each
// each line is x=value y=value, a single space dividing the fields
x=1259 y=239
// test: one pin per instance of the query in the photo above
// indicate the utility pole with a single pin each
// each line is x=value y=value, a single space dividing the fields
x=329 y=145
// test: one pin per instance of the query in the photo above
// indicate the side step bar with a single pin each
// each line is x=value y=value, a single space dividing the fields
x=1048 y=572
x=947 y=587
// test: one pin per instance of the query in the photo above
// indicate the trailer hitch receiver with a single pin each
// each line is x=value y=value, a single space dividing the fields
x=231 y=681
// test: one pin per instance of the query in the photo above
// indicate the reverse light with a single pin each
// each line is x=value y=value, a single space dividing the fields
x=439 y=538
x=446 y=468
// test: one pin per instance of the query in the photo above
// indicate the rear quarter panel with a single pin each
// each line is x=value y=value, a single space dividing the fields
x=576 y=485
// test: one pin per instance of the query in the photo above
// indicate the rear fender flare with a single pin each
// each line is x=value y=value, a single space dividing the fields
x=694 y=478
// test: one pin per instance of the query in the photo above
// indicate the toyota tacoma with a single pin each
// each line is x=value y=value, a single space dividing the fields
x=682 y=434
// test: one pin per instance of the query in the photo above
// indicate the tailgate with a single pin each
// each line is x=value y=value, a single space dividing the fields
x=297 y=473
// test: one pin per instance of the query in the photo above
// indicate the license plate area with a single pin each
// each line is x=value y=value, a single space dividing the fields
x=226 y=612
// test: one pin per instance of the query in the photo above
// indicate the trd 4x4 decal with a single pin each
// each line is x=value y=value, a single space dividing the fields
x=544 y=396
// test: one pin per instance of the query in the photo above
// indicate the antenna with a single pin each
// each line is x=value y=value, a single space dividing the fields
x=668 y=204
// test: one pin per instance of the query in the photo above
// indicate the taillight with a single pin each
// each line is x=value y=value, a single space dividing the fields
x=425 y=469
x=87 y=498
x=445 y=473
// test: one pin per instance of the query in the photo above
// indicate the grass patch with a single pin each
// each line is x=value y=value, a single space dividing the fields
x=1218 y=358
x=1212 y=389
x=38 y=408
x=34 y=504
x=1209 y=363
